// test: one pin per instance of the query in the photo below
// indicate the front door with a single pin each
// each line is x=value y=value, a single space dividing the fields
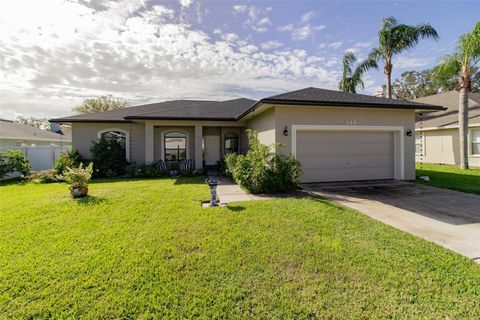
x=212 y=150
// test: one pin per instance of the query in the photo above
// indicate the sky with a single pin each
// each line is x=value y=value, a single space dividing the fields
x=56 y=53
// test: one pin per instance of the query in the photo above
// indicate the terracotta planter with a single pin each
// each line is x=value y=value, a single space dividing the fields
x=78 y=191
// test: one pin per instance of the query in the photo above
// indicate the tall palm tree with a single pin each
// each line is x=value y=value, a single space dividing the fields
x=394 y=38
x=463 y=62
x=351 y=79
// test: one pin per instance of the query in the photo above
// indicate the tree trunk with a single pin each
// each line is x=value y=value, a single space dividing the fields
x=388 y=72
x=463 y=126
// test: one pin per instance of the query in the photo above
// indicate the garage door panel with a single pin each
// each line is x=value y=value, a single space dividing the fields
x=339 y=162
x=345 y=156
x=353 y=149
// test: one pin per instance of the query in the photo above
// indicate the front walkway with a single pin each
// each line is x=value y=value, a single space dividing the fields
x=446 y=217
x=228 y=191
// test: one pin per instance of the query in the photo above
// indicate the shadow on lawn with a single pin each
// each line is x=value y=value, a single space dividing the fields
x=235 y=208
x=89 y=200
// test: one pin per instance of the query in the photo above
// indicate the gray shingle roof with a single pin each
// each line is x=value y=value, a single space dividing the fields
x=449 y=117
x=339 y=98
x=214 y=110
x=237 y=108
x=15 y=130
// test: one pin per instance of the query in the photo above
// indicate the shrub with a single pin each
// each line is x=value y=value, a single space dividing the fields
x=46 y=176
x=261 y=170
x=79 y=176
x=70 y=159
x=108 y=158
x=13 y=161
x=152 y=170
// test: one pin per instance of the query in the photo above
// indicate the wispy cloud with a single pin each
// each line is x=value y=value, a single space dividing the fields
x=257 y=20
x=269 y=45
x=303 y=29
x=332 y=45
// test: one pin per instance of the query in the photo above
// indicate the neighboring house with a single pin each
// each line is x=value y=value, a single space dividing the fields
x=437 y=138
x=14 y=134
x=337 y=136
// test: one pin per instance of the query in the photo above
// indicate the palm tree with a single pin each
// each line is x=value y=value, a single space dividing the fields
x=462 y=63
x=351 y=79
x=394 y=38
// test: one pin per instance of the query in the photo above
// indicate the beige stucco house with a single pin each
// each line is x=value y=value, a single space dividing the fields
x=437 y=139
x=337 y=136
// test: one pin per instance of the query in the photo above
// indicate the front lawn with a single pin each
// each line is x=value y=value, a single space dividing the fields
x=146 y=249
x=450 y=177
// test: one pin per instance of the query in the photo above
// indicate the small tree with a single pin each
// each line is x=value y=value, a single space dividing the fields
x=102 y=103
x=108 y=158
x=41 y=123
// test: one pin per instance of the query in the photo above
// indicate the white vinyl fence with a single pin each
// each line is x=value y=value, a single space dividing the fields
x=41 y=158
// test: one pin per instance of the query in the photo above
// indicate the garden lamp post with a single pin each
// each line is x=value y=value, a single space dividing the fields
x=213 y=183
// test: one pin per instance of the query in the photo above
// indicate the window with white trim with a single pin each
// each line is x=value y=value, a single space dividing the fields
x=419 y=143
x=476 y=142
x=175 y=146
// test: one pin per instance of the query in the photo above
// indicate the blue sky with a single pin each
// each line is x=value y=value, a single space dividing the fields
x=55 y=53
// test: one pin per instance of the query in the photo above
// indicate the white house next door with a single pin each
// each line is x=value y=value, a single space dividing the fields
x=212 y=150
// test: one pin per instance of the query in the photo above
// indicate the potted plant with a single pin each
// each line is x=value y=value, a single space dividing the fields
x=78 y=179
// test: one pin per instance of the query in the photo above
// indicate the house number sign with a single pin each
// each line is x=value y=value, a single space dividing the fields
x=351 y=122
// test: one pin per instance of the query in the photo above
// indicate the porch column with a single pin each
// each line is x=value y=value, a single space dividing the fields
x=149 y=142
x=198 y=147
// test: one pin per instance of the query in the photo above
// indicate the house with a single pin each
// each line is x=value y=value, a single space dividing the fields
x=437 y=137
x=337 y=136
x=14 y=134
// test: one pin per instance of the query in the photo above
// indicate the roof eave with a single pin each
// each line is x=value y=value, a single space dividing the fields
x=66 y=120
x=180 y=118
x=353 y=104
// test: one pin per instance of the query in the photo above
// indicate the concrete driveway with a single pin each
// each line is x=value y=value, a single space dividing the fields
x=446 y=217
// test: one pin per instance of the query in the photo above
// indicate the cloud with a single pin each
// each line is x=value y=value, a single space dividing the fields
x=303 y=29
x=363 y=44
x=257 y=20
x=269 y=45
x=333 y=45
x=410 y=62
x=54 y=55
x=307 y=17
x=185 y=3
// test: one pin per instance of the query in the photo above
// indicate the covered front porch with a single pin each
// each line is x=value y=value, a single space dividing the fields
x=205 y=143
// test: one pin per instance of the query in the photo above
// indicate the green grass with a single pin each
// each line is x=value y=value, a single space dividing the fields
x=450 y=177
x=145 y=249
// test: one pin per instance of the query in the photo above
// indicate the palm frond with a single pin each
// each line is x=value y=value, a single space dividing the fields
x=450 y=66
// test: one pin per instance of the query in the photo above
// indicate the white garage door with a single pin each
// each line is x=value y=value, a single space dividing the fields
x=345 y=156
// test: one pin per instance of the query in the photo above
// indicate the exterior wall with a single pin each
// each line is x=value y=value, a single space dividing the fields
x=443 y=147
x=264 y=124
x=159 y=141
x=85 y=134
x=296 y=115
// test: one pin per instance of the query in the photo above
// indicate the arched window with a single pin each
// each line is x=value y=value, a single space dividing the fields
x=118 y=135
x=175 y=146
x=231 y=143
